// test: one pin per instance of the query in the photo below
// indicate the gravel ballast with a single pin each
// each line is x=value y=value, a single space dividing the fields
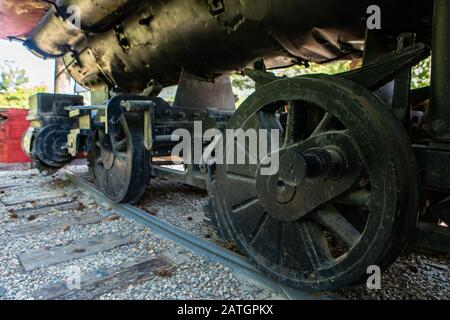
x=414 y=276
x=193 y=278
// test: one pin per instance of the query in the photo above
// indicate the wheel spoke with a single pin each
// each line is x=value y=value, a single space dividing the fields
x=324 y=125
x=247 y=169
x=120 y=169
x=314 y=244
x=122 y=145
x=359 y=198
x=330 y=218
x=294 y=251
x=245 y=205
x=122 y=157
x=250 y=216
x=247 y=153
x=241 y=188
x=120 y=172
x=266 y=239
x=101 y=135
x=269 y=121
x=98 y=173
x=117 y=181
x=295 y=124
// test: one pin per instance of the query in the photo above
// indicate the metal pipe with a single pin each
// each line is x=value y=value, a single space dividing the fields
x=440 y=74
x=55 y=35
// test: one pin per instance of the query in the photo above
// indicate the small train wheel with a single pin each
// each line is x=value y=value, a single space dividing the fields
x=119 y=161
x=345 y=196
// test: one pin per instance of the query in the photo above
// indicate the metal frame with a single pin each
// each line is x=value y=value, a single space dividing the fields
x=440 y=79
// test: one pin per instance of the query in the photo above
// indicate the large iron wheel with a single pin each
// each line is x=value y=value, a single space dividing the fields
x=119 y=162
x=345 y=196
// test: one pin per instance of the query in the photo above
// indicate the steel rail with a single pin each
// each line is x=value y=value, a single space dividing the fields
x=238 y=264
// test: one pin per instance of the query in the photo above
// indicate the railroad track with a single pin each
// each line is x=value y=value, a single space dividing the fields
x=193 y=243
x=58 y=214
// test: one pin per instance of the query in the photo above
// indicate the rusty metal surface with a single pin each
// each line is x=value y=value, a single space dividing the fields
x=126 y=45
x=19 y=17
x=191 y=93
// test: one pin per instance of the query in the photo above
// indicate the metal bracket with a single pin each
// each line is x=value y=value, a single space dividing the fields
x=260 y=77
x=122 y=39
x=431 y=237
x=387 y=67
x=216 y=7
x=373 y=76
x=442 y=210
x=84 y=127
x=128 y=103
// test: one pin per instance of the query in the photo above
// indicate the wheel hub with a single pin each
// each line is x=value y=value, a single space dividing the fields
x=279 y=192
x=293 y=168
x=49 y=146
x=284 y=192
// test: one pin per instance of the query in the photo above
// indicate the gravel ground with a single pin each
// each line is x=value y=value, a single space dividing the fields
x=414 y=276
x=15 y=166
x=193 y=278
x=181 y=206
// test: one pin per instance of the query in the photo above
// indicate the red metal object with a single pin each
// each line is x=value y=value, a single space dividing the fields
x=13 y=124
x=19 y=17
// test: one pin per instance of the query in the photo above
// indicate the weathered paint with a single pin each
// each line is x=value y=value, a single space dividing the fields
x=19 y=17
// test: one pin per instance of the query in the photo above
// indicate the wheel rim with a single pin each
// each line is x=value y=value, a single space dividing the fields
x=119 y=161
x=53 y=153
x=329 y=245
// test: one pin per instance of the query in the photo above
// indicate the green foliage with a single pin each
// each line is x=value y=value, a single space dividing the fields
x=12 y=78
x=13 y=90
x=244 y=86
x=330 y=68
x=19 y=98
x=421 y=74
x=242 y=83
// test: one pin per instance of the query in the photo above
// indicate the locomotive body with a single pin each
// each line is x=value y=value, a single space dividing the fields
x=129 y=43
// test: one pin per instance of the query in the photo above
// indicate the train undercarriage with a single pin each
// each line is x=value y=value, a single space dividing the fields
x=359 y=174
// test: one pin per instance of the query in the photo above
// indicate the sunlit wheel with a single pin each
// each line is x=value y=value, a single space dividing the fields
x=119 y=161
x=344 y=197
x=49 y=148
